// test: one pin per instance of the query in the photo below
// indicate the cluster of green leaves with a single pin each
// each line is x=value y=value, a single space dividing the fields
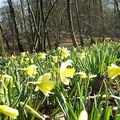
x=62 y=82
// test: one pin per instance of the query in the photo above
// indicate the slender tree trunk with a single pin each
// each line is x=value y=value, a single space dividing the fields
x=79 y=22
x=102 y=28
x=25 y=28
x=2 y=48
x=43 y=42
x=36 y=32
x=88 y=7
x=71 y=23
x=15 y=25
x=117 y=7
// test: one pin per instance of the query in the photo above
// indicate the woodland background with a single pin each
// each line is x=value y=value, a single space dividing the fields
x=44 y=24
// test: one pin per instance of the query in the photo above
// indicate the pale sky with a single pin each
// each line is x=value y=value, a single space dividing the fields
x=2 y=2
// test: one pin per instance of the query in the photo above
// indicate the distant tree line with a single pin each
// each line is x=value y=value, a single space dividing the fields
x=43 y=23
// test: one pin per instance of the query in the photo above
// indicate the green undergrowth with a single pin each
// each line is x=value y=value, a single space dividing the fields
x=72 y=84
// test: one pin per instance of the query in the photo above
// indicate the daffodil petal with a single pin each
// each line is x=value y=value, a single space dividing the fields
x=65 y=64
x=45 y=78
x=64 y=80
x=113 y=71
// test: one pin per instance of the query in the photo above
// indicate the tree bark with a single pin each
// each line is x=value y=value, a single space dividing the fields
x=2 y=48
x=79 y=22
x=15 y=25
x=71 y=23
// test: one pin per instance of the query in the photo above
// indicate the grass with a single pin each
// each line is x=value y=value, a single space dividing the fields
x=88 y=90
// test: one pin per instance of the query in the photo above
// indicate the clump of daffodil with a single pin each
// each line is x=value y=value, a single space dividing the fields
x=83 y=115
x=113 y=71
x=14 y=59
x=65 y=72
x=44 y=84
x=55 y=58
x=64 y=52
x=8 y=111
x=42 y=55
x=31 y=70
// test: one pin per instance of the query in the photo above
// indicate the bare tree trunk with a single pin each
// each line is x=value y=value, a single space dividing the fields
x=88 y=7
x=117 y=7
x=43 y=42
x=102 y=29
x=2 y=48
x=35 y=26
x=71 y=23
x=25 y=28
x=15 y=25
x=79 y=22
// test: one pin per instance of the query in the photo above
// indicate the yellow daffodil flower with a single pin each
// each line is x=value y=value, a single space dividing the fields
x=92 y=76
x=8 y=111
x=31 y=70
x=82 y=74
x=44 y=84
x=55 y=58
x=113 y=71
x=13 y=57
x=42 y=56
x=6 y=78
x=83 y=115
x=65 y=52
x=82 y=55
x=66 y=72
x=23 y=54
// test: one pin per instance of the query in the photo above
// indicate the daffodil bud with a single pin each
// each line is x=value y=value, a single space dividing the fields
x=82 y=74
x=83 y=115
x=8 y=111
x=31 y=111
x=6 y=78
